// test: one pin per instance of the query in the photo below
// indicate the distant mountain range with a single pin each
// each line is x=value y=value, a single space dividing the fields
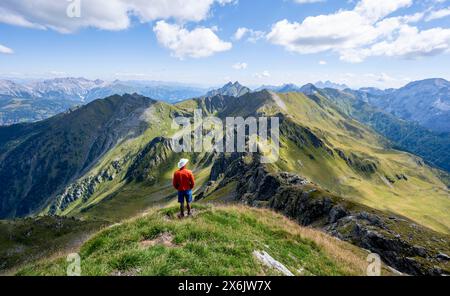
x=37 y=100
x=290 y=87
x=329 y=84
x=426 y=102
x=230 y=89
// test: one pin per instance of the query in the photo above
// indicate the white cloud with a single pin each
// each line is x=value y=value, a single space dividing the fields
x=240 y=33
x=225 y=2
x=411 y=42
x=362 y=32
x=240 y=66
x=101 y=14
x=252 y=35
x=200 y=42
x=438 y=14
x=322 y=63
x=263 y=74
x=6 y=50
x=308 y=1
x=375 y=10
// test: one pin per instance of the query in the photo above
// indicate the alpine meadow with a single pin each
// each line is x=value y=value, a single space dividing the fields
x=225 y=138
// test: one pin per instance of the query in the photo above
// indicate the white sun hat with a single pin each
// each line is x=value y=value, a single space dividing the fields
x=182 y=162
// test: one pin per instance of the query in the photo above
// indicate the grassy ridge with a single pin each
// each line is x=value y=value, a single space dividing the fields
x=218 y=240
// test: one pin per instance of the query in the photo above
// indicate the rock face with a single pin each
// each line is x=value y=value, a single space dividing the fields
x=400 y=243
x=85 y=187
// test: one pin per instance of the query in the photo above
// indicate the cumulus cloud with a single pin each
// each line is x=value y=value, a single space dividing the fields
x=240 y=66
x=200 y=42
x=250 y=34
x=101 y=14
x=5 y=50
x=365 y=31
x=322 y=63
x=438 y=14
x=375 y=10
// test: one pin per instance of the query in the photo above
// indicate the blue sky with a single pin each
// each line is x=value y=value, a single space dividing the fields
x=383 y=43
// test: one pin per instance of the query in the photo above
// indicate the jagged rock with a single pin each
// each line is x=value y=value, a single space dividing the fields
x=292 y=179
x=421 y=251
x=86 y=187
x=336 y=213
x=372 y=219
x=443 y=257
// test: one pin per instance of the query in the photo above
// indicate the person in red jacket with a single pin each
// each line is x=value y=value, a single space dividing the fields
x=183 y=181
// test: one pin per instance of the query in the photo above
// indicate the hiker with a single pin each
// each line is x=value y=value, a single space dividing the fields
x=183 y=181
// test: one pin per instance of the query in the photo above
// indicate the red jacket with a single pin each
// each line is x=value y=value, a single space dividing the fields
x=183 y=180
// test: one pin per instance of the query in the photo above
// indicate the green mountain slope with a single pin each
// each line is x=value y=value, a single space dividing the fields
x=329 y=148
x=216 y=241
x=39 y=159
x=405 y=135
x=318 y=142
x=354 y=167
x=353 y=161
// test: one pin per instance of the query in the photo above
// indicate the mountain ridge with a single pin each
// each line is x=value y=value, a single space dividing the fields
x=426 y=102
x=129 y=174
x=37 y=100
x=230 y=89
x=66 y=144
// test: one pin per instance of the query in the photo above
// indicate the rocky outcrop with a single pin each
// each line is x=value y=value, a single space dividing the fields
x=401 y=243
x=86 y=187
x=360 y=164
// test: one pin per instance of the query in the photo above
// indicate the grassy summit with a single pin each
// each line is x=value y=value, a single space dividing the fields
x=217 y=240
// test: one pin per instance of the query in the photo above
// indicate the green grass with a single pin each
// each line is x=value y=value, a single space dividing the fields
x=26 y=240
x=218 y=240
